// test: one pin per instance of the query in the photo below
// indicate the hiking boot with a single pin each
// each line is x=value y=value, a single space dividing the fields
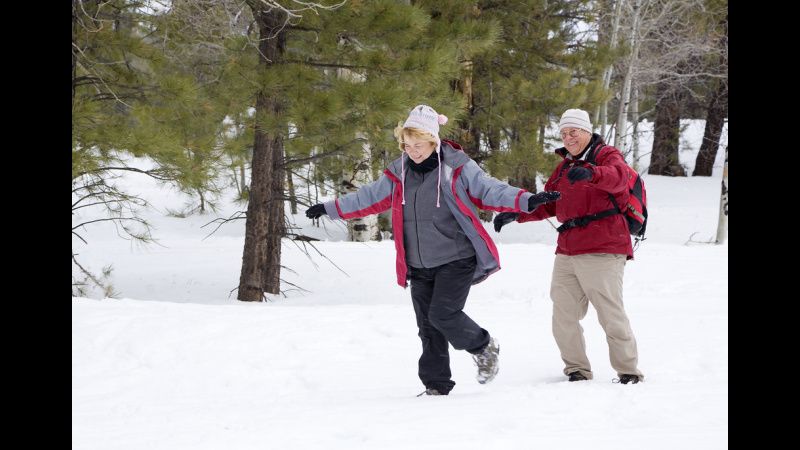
x=576 y=376
x=626 y=378
x=486 y=361
x=430 y=392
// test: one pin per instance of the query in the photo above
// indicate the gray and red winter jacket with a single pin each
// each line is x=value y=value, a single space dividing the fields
x=464 y=187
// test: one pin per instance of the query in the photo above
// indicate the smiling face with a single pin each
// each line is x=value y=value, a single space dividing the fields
x=419 y=148
x=575 y=139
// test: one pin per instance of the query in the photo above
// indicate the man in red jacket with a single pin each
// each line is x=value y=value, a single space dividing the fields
x=593 y=245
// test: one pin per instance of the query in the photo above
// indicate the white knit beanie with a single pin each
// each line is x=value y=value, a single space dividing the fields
x=575 y=118
x=427 y=119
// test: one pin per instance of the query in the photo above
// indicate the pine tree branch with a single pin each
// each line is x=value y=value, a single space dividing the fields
x=156 y=173
x=88 y=274
x=323 y=64
x=80 y=237
x=113 y=219
x=283 y=292
x=337 y=151
x=299 y=28
x=88 y=187
x=93 y=18
x=235 y=216
x=78 y=63
x=95 y=203
x=308 y=255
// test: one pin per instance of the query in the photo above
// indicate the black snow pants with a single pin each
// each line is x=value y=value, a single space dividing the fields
x=439 y=294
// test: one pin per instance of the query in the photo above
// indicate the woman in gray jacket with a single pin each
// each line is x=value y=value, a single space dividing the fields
x=433 y=189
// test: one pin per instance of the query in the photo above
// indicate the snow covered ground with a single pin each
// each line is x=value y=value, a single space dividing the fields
x=178 y=363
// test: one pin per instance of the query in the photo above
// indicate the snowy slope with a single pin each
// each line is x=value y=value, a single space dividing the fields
x=177 y=363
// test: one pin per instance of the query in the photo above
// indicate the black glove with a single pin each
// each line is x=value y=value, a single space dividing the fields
x=316 y=211
x=504 y=218
x=542 y=198
x=579 y=173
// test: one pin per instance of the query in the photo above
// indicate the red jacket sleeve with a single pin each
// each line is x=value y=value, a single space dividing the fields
x=611 y=171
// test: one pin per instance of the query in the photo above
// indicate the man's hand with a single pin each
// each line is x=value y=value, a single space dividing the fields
x=579 y=173
x=503 y=219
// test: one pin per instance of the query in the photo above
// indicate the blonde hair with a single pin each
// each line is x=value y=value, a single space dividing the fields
x=400 y=133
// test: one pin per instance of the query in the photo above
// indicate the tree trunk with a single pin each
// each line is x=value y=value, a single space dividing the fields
x=621 y=129
x=469 y=137
x=635 y=120
x=363 y=229
x=271 y=278
x=603 y=111
x=523 y=180
x=243 y=181
x=74 y=42
x=624 y=99
x=666 y=138
x=493 y=140
x=722 y=226
x=524 y=174
x=715 y=118
x=202 y=201
x=290 y=188
x=263 y=228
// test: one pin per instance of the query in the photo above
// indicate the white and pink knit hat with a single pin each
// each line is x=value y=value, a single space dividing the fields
x=425 y=118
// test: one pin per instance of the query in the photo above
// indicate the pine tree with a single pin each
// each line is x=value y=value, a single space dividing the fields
x=128 y=99
x=202 y=40
x=463 y=23
x=541 y=65
x=305 y=110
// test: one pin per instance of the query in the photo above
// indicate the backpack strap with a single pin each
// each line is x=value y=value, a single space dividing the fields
x=582 y=221
x=590 y=158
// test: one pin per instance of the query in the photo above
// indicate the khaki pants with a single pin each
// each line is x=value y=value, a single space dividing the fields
x=596 y=278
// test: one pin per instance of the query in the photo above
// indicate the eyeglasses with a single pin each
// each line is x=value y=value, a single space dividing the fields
x=572 y=133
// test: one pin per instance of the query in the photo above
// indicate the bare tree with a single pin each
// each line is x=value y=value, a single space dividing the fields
x=625 y=94
x=601 y=116
x=671 y=44
x=290 y=192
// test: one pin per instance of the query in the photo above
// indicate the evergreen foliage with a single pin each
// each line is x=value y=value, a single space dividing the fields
x=350 y=76
x=179 y=83
x=540 y=63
